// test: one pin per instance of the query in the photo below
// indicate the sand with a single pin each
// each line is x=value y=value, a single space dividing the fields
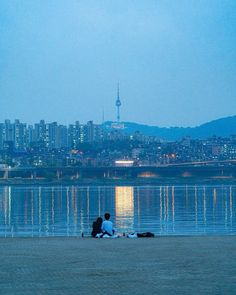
x=165 y=265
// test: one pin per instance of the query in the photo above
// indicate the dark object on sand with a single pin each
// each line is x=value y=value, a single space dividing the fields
x=97 y=227
x=145 y=235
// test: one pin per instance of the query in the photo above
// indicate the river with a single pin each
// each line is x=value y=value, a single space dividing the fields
x=39 y=211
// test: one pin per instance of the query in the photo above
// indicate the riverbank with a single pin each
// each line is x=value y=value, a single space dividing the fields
x=121 y=182
x=164 y=265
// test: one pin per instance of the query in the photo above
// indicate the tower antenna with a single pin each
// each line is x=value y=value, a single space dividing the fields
x=118 y=103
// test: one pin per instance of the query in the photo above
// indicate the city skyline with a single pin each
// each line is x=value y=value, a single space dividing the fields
x=92 y=145
x=61 y=61
x=56 y=135
x=113 y=126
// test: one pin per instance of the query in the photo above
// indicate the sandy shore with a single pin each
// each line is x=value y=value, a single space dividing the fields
x=166 y=265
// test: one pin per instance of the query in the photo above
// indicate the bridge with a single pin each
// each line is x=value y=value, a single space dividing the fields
x=183 y=170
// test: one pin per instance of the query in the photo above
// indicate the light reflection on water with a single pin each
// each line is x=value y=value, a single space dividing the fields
x=164 y=210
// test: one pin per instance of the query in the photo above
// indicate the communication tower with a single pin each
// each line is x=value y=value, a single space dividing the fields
x=117 y=124
x=118 y=104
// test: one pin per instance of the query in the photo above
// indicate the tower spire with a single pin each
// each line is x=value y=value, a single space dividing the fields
x=118 y=103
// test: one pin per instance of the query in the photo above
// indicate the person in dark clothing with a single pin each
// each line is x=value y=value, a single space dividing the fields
x=97 y=227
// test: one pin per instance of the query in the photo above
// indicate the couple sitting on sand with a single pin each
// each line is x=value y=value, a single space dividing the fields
x=103 y=229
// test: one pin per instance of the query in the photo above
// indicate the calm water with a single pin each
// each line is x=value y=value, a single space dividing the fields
x=164 y=210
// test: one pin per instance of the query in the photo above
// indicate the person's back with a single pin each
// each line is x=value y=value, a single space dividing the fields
x=107 y=226
x=97 y=227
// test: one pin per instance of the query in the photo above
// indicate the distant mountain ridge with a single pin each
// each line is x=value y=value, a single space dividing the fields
x=224 y=127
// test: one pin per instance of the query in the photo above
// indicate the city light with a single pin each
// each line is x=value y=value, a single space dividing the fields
x=124 y=163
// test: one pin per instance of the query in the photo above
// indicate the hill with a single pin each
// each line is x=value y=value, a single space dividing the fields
x=223 y=127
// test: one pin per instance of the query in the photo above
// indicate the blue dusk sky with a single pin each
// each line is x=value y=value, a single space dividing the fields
x=60 y=60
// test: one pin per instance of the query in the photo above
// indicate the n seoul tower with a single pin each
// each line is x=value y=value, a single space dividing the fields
x=118 y=103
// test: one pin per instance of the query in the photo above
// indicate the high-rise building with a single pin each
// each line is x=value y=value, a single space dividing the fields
x=75 y=134
x=72 y=142
x=1 y=135
x=93 y=132
x=89 y=134
x=8 y=131
x=82 y=134
x=20 y=135
x=61 y=137
x=40 y=132
x=30 y=134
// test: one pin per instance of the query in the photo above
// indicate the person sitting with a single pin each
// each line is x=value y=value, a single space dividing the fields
x=107 y=226
x=97 y=227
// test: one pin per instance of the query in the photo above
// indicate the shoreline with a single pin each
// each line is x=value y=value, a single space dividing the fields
x=88 y=238
x=121 y=182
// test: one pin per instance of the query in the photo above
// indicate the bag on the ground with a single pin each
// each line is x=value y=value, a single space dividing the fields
x=141 y=235
x=145 y=235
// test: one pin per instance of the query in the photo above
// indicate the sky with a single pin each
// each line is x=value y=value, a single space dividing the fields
x=61 y=60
